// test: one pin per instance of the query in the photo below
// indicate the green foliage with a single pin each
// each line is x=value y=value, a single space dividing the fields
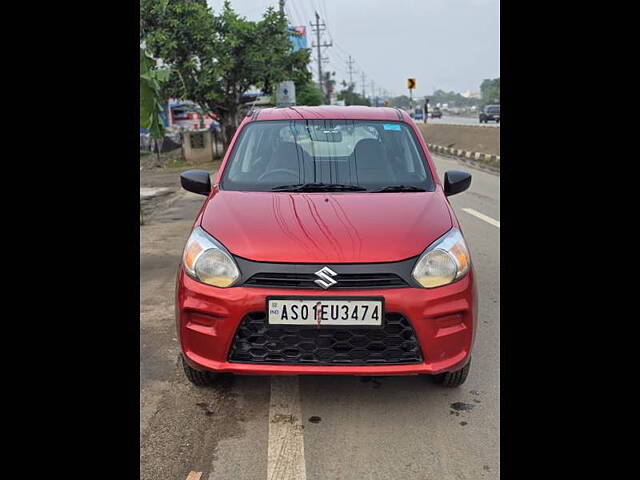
x=351 y=97
x=401 y=101
x=308 y=94
x=490 y=91
x=216 y=58
x=452 y=98
x=151 y=99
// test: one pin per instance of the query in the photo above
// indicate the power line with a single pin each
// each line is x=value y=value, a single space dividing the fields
x=289 y=14
x=300 y=17
x=324 y=10
x=305 y=12
x=317 y=28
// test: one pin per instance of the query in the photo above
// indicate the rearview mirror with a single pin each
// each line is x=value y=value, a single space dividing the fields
x=456 y=181
x=196 y=181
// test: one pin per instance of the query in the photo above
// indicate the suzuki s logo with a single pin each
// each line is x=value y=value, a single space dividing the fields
x=326 y=280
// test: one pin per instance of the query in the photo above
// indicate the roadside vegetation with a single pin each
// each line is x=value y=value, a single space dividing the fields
x=489 y=94
x=216 y=57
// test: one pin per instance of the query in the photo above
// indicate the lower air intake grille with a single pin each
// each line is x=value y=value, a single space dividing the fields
x=258 y=342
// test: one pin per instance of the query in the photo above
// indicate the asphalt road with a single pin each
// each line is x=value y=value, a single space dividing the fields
x=316 y=428
x=453 y=120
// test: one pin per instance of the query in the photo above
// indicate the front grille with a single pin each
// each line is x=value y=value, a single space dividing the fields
x=307 y=280
x=257 y=342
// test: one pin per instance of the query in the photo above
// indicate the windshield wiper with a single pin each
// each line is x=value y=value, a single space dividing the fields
x=400 y=188
x=318 y=187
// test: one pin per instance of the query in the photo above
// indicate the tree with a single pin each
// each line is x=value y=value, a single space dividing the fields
x=308 y=94
x=351 y=97
x=453 y=99
x=401 y=101
x=490 y=91
x=215 y=59
x=151 y=101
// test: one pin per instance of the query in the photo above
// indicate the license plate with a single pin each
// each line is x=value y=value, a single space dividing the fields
x=324 y=312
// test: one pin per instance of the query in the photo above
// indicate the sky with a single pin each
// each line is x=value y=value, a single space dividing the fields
x=443 y=44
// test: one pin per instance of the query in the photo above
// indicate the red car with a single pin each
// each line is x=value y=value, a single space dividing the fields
x=326 y=245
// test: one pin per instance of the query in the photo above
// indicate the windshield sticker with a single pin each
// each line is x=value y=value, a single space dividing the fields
x=391 y=126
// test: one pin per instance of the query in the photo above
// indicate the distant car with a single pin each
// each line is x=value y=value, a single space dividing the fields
x=490 y=113
x=436 y=113
x=419 y=114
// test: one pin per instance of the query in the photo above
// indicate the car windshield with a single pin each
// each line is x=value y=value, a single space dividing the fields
x=493 y=109
x=327 y=155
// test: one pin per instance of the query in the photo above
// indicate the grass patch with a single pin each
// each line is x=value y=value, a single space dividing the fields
x=144 y=152
x=176 y=163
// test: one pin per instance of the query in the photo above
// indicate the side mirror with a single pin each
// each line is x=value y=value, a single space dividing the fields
x=456 y=181
x=196 y=181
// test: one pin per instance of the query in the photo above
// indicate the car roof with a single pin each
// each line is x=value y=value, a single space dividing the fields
x=329 y=112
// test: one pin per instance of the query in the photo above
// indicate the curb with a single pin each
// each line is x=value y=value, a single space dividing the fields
x=491 y=162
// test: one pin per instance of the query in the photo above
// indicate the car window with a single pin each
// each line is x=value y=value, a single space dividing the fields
x=368 y=154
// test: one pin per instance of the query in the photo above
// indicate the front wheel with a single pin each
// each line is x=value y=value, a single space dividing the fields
x=453 y=379
x=199 y=378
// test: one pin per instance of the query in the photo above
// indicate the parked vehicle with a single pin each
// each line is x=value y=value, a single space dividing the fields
x=490 y=113
x=326 y=245
x=436 y=113
x=418 y=114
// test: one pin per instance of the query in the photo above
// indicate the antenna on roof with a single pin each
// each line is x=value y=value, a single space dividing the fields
x=253 y=106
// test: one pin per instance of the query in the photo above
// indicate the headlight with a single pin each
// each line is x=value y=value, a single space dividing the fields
x=207 y=261
x=444 y=262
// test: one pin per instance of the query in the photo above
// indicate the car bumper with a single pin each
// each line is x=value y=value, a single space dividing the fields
x=443 y=318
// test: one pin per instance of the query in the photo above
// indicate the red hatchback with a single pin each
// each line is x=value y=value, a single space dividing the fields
x=326 y=245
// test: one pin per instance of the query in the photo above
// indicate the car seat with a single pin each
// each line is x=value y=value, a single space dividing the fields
x=371 y=162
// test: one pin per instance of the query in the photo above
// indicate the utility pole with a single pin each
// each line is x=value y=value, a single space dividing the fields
x=373 y=92
x=318 y=28
x=363 y=85
x=351 y=70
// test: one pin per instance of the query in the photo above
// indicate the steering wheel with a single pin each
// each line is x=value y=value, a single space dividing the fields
x=294 y=174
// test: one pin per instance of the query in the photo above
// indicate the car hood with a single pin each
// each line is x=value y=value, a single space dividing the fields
x=326 y=228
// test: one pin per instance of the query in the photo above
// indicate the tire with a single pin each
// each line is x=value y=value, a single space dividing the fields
x=199 y=378
x=453 y=379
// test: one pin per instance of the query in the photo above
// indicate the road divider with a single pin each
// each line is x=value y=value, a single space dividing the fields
x=478 y=146
x=482 y=160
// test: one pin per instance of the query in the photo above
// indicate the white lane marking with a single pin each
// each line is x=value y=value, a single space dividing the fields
x=285 y=457
x=482 y=216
